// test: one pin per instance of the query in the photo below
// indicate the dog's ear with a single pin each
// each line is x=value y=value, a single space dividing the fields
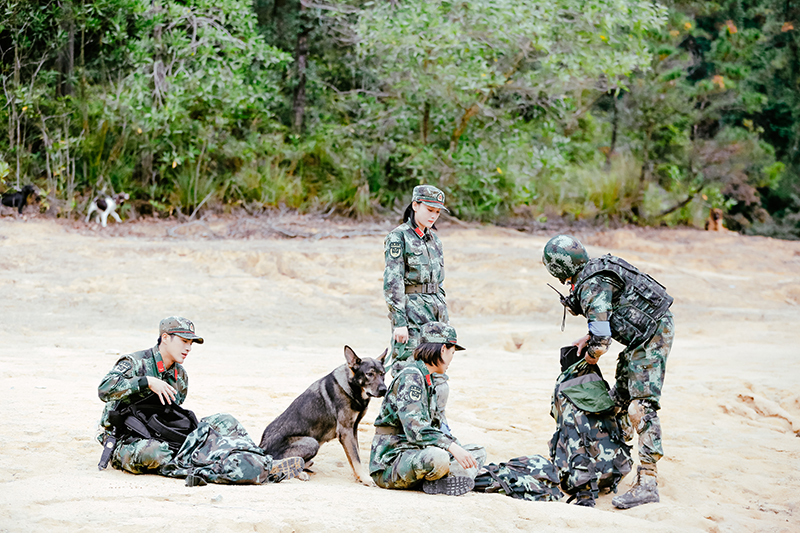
x=351 y=357
x=383 y=355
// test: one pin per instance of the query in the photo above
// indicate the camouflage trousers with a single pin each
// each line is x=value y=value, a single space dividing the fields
x=637 y=391
x=420 y=309
x=412 y=467
x=141 y=456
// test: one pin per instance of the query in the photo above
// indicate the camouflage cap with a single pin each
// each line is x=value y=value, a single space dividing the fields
x=429 y=195
x=439 y=332
x=182 y=327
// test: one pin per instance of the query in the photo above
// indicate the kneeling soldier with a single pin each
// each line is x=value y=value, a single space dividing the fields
x=412 y=446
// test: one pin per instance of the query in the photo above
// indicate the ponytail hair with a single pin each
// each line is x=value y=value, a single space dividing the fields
x=408 y=213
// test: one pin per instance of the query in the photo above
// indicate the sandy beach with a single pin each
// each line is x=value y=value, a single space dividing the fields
x=277 y=302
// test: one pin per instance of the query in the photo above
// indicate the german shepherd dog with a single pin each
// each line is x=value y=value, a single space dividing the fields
x=330 y=408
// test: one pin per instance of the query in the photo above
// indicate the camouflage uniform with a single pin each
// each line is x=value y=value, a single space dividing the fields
x=409 y=445
x=414 y=261
x=640 y=367
x=127 y=383
x=221 y=451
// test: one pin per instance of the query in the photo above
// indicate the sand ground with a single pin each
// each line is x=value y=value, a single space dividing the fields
x=276 y=313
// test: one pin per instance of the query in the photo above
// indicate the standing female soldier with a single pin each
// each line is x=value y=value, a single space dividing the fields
x=412 y=280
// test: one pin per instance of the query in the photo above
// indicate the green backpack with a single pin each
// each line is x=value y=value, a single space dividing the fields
x=587 y=448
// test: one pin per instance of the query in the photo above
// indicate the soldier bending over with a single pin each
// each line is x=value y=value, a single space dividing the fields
x=624 y=304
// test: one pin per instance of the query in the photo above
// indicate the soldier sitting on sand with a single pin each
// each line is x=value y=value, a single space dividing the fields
x=411 y=446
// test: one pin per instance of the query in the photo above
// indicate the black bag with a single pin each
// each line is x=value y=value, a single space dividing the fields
x=149 y=419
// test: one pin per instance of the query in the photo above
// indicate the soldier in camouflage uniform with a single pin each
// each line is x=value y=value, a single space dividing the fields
x=220 y=444
x=412 y=279
x=410 y=447
x=622 y=303
x=157 y=370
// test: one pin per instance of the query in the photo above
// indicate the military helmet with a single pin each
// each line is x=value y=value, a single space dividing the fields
x=564 y=256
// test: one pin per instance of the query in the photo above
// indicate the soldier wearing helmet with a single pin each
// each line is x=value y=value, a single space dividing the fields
x=627 y=305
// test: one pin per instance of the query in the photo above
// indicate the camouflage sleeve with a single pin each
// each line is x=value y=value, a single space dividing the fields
x=394 y=286
x=415 y=415
x=121 y=381
x=596 y=296
x=183 y=387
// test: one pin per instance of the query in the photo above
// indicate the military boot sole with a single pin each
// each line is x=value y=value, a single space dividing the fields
x=449 y=485
x=287 y=468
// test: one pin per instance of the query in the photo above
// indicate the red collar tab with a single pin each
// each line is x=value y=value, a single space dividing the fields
x=428 y=380
x=160 y=365
x=419 y=232
x=175 y=368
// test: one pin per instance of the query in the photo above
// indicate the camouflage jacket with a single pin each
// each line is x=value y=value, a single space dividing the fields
x=411 y=408
x=413 y=257
x=127 y=381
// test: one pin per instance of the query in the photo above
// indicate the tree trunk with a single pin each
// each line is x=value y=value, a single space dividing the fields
x=426 y=117
x=66 y=56
x=301 y=61
x=614 y=129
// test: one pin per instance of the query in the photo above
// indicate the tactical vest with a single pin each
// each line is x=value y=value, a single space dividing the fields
x=642 y=302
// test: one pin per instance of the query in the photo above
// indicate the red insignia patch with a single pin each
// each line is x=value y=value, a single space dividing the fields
x=160 y=365
x=419 y=232
x=428 y=379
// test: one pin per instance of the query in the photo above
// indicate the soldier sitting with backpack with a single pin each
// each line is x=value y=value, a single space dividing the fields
x=144 y=429
x=624 y=304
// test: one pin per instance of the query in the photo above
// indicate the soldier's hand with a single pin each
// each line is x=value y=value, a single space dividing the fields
x=581 y=343
x=462 y=456
x=400 y=335
x=162 y=389
x=591 y=360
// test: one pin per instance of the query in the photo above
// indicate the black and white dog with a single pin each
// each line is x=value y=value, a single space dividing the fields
x=106 y=205
x=330 y=408
x=19 y=199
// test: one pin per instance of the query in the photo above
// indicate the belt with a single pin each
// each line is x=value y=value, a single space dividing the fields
x=423 y=288
x=387 y=430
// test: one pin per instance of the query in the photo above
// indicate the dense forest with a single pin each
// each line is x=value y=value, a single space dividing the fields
x=606 y=111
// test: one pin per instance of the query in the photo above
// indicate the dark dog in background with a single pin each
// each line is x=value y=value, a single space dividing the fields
x=19 y=199
x=330 y=408
x=106 y=205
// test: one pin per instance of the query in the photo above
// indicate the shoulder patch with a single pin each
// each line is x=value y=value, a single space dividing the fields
x=123 y=366
x=415 y=393
x=395 y=248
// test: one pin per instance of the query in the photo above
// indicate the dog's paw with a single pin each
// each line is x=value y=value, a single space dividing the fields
x=367 y=482
x=303 y=476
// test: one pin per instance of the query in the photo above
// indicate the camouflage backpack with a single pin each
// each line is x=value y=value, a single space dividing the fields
x=524 y=478
x=587 y=448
